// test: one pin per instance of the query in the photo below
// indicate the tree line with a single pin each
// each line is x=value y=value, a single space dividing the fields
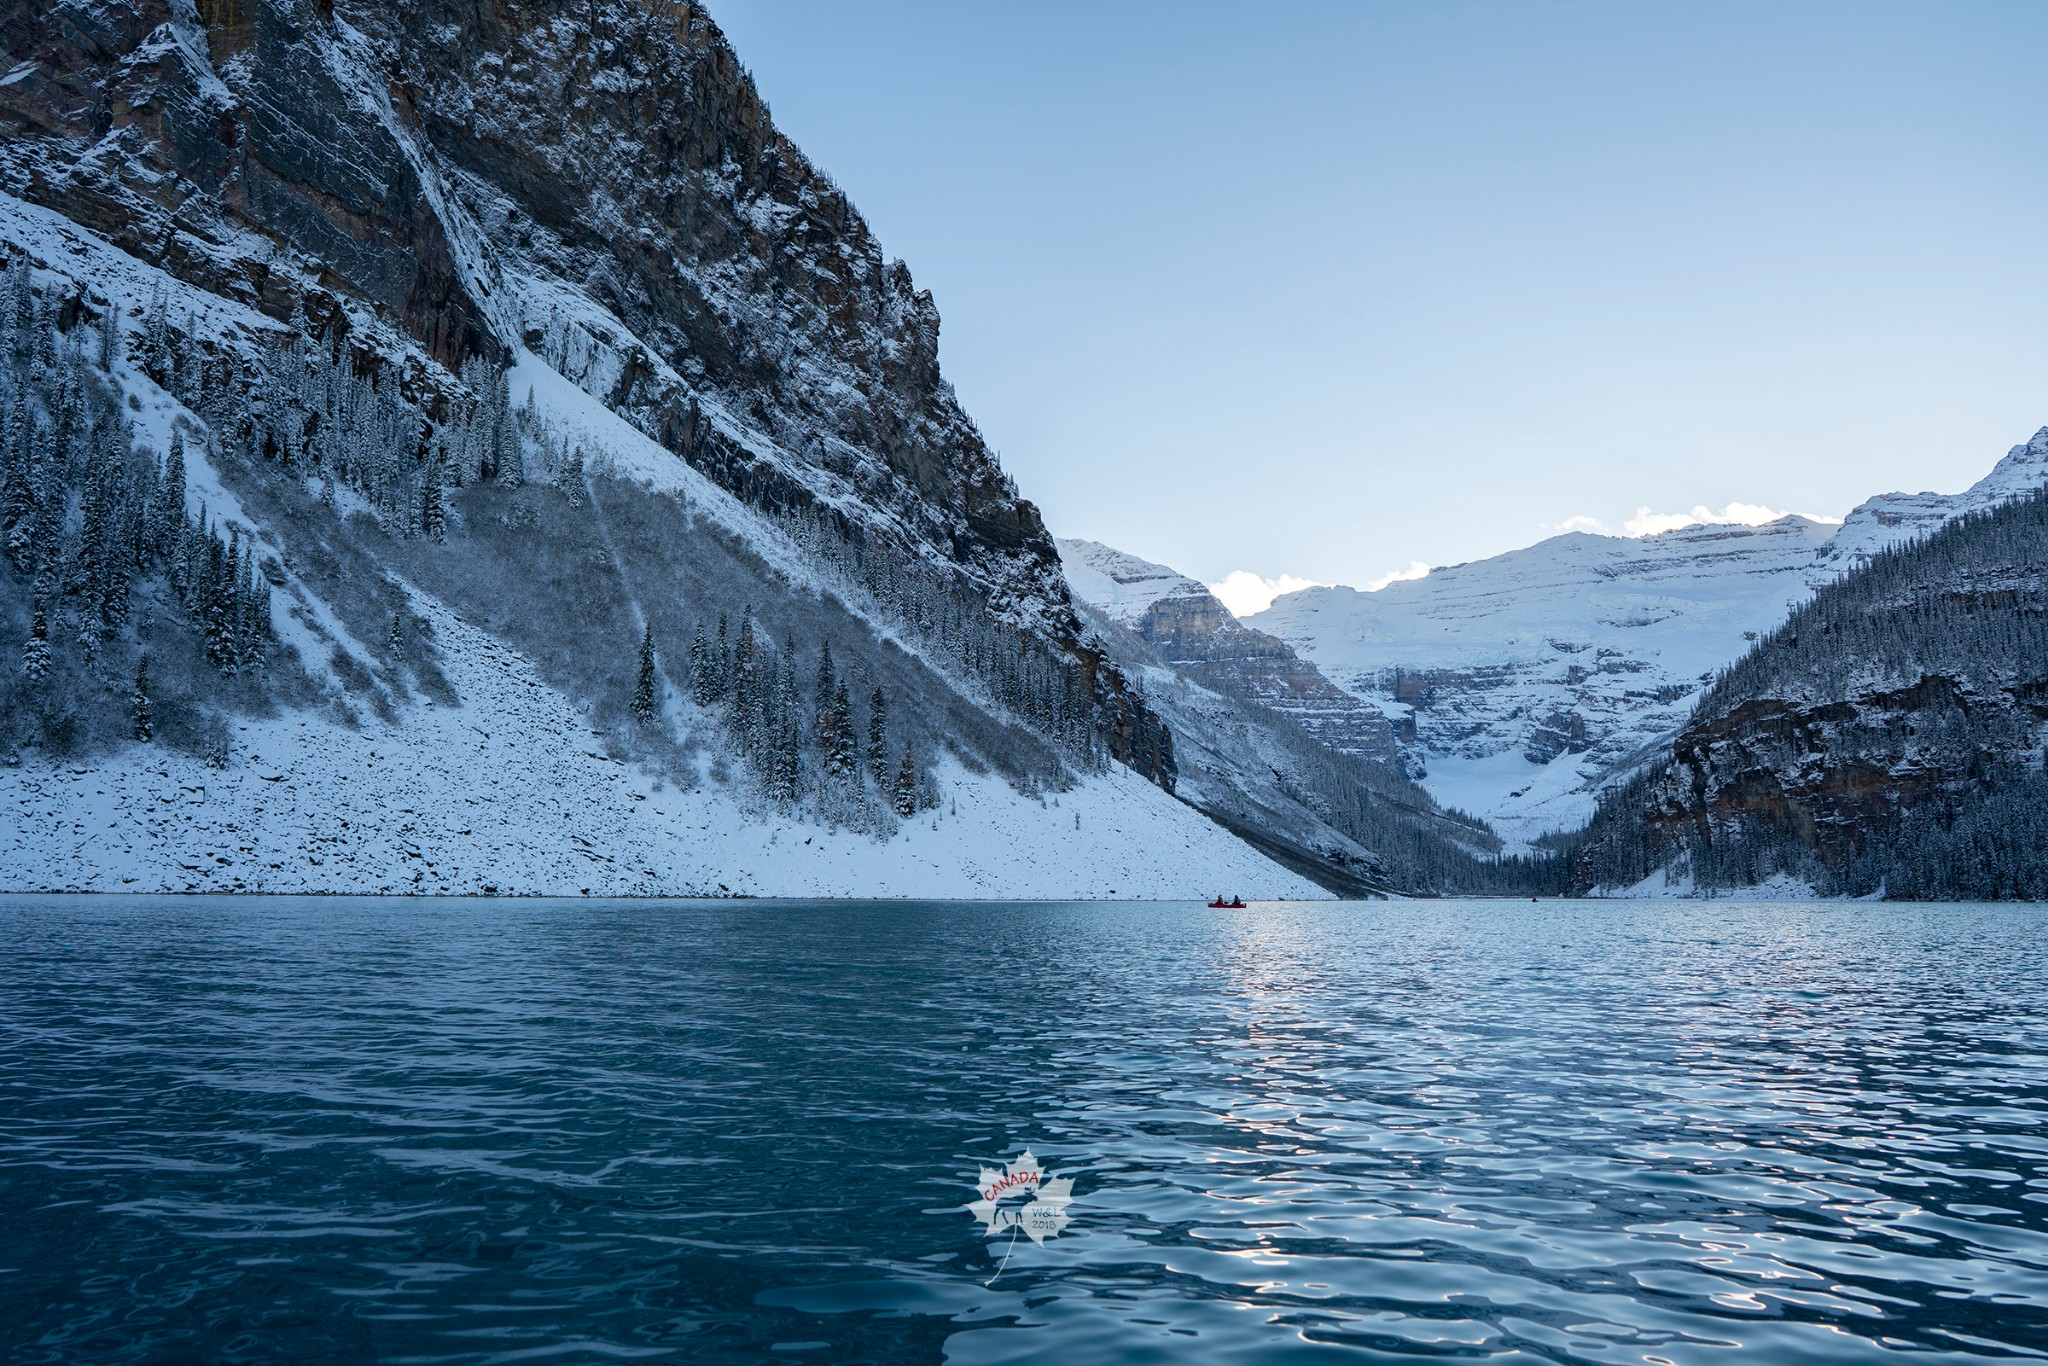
x=1922 y=676
x=89 y=516
x=316 y=408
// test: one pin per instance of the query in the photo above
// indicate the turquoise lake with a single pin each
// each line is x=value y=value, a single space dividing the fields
x=340 y=1130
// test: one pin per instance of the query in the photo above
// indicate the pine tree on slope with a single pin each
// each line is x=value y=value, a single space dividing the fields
x=35 y=654
x=878 y=738
x=903 y=796
x=644 y=710
x=433 y=515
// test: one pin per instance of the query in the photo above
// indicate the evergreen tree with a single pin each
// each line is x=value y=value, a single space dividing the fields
x=503 y=441
x=571 y=480
x=168 y=504
x=753 y=703
x=188 y=557
x=903 y=794
x=512 y=467
x=145 y=719
x=35 y=654
x=17 y=481
x=843 y=758
x=644 y=707
x=824 y=687
x=252 y=622
x=789 y=755
x=701 y=689
x=230 y=590
x=215 y=614
x=433 y=515
x=878 y=739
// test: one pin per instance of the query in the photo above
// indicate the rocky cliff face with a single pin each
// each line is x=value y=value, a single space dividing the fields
x=465 y=447
x=1525 y=683
x=1889 y=737
x=592 y=183
x=1197 y=635
x=1268 y=747
x=596 y=183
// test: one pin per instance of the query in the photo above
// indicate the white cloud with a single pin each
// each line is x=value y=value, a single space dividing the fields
x=1416 y=570
x=1648 y=523
x=1582 y=523
x=1246 y=593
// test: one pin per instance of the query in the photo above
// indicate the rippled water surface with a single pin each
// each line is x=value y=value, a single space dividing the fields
x=336 y=1130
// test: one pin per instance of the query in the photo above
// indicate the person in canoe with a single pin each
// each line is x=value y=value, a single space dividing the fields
x=1235 y=903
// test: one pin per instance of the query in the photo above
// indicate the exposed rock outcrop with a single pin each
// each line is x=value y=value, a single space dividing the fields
x=1891 y=736
x=1194 y=632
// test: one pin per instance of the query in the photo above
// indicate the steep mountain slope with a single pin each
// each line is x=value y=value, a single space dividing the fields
x=1892 y=519
x=1889 y=737
x=1528 y=681
x=1260 y=739
x=1197 y=635
x=513 y=340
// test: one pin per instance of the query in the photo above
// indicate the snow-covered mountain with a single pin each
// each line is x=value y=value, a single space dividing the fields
x=566 y=494
x=1196 y=633
x=1527 y=681
x=1887 y=738
x=1267 y=746
x=1894 y=518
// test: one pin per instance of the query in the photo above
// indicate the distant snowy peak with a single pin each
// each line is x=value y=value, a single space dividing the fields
x=1122 y=586
x=1192 y=629
x=1892 y=518
x=1563 y=594
x=1525 y=682
x=2024 y=470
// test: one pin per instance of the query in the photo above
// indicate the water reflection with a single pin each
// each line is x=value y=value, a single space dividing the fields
x=340 y=1130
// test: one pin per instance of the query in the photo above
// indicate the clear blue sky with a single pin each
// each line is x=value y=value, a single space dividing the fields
x=1327 y=288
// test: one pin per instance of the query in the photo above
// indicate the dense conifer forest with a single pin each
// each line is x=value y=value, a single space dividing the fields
x=138 y=620
x=1887 y=739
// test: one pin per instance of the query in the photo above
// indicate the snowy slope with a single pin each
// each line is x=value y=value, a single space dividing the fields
x=512 y=793
x=1532 y=678
x=752 y=396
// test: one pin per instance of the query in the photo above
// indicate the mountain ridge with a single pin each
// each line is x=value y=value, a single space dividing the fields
x=1538 y=676
x=393 y=312
x=1888 y=739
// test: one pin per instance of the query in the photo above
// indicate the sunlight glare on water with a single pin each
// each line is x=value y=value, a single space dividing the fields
x=349 y=1130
